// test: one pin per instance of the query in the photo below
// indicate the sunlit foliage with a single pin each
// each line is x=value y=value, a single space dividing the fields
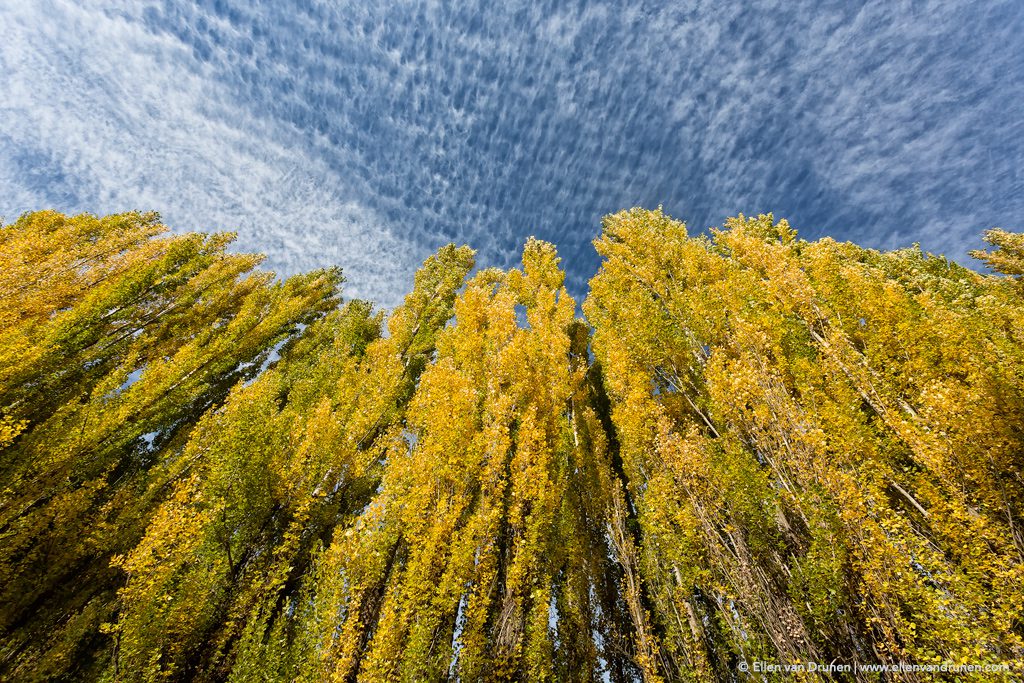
x=116 y=339
x=823 y=444
x=754 y=448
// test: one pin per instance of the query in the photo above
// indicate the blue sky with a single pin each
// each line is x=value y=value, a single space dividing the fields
x=367 y=134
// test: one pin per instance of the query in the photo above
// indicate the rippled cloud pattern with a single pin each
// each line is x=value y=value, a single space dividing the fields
x=368 y=134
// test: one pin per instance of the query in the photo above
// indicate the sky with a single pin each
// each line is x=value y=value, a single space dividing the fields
x=367 y=134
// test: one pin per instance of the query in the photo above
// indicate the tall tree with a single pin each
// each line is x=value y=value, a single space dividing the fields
x=483 y=556
x=822 y=442
x=265 y=481
x=117 y=338
x=761 y=448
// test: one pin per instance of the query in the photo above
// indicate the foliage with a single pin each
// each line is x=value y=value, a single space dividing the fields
x=822 y=442
x=117 y=338
x=755 y=447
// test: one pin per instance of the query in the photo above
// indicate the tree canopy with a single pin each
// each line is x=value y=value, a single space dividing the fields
x=752 y=448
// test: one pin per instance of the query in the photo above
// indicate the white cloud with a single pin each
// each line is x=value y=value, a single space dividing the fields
x=132 y=121
x=368 y=135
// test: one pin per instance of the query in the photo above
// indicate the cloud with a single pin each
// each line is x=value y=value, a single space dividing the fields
x=100 y=114
x=370 y=135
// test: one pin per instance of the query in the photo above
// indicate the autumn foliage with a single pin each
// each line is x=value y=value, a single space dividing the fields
x=754 y=447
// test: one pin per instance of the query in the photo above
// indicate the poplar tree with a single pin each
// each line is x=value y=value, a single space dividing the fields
x=116 y=338
x=266 y=480
x=822 y=443
x=483 y=556
x=755 y=447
